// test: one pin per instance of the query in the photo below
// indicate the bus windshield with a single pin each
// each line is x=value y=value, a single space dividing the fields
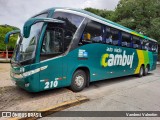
x=26 y=47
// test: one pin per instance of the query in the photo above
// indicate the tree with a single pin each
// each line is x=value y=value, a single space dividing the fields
x=140 y=15
x=108 y=14
x=4 y=29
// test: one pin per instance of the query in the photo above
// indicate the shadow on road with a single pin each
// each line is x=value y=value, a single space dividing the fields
x=115 y=80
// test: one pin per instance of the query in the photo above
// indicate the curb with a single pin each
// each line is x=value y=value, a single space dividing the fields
x=56 y=108
x=4 y=61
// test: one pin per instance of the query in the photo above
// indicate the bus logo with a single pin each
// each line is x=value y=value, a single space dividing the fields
x=82 y=53
x=117 y=59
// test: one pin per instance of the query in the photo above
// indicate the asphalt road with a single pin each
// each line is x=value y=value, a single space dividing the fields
x=121 y=94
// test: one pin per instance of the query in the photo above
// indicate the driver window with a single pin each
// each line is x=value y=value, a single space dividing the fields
x=52 y=43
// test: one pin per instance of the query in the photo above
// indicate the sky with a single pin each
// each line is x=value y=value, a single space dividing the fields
x=16 y=12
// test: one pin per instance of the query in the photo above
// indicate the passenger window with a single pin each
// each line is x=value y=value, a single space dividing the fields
x=150 y=46
x=109 y=39
x=126 y=40
x=153 y=47
x=145 y=45
x=112 y=36
x=92 y=33
x=136 y=42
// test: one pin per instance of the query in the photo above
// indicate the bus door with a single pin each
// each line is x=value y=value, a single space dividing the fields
x=51 y=59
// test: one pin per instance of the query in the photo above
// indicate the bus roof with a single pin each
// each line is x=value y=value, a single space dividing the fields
x=113 y=24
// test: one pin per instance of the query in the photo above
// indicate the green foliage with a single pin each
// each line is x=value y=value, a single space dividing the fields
x=4 y=29
x=103 y=13
x=141 y=16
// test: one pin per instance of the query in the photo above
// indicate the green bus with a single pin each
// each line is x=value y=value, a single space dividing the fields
x=62 y=47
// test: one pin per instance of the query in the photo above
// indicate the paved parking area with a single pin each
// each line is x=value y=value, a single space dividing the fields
x=5 y=75
x=13 y=98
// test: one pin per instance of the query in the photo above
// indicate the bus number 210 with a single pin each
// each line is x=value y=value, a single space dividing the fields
x=51 y=84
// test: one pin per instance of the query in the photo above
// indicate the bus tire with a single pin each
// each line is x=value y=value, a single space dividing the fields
x=141 y=72
x=146 y=70
x=78 y=81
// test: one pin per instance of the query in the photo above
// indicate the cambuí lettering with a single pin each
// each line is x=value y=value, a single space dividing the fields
x=117 y=59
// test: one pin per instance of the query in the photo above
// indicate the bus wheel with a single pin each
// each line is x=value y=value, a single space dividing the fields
x=78 y=81
x=141 y=71
x=146 y=71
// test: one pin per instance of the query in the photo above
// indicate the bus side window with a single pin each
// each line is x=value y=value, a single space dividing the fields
x=108 y=36
x=154 y=47
x=92 y=33
x=145 y=45
x=126 y=40
x=150 y=46
x=115 y=36
x=136 y=42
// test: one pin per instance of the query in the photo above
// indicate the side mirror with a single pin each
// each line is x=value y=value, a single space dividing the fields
x=6 y=41
x=27 y=26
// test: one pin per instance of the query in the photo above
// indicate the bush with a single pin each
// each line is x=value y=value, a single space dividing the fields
x=4 y=29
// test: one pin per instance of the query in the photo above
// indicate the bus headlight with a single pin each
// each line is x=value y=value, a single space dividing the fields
x=27 y=85
x=31 y=72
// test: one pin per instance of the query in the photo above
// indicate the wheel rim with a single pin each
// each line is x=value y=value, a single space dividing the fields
x=141 y=71
x=79 y=81
x=146 y=70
